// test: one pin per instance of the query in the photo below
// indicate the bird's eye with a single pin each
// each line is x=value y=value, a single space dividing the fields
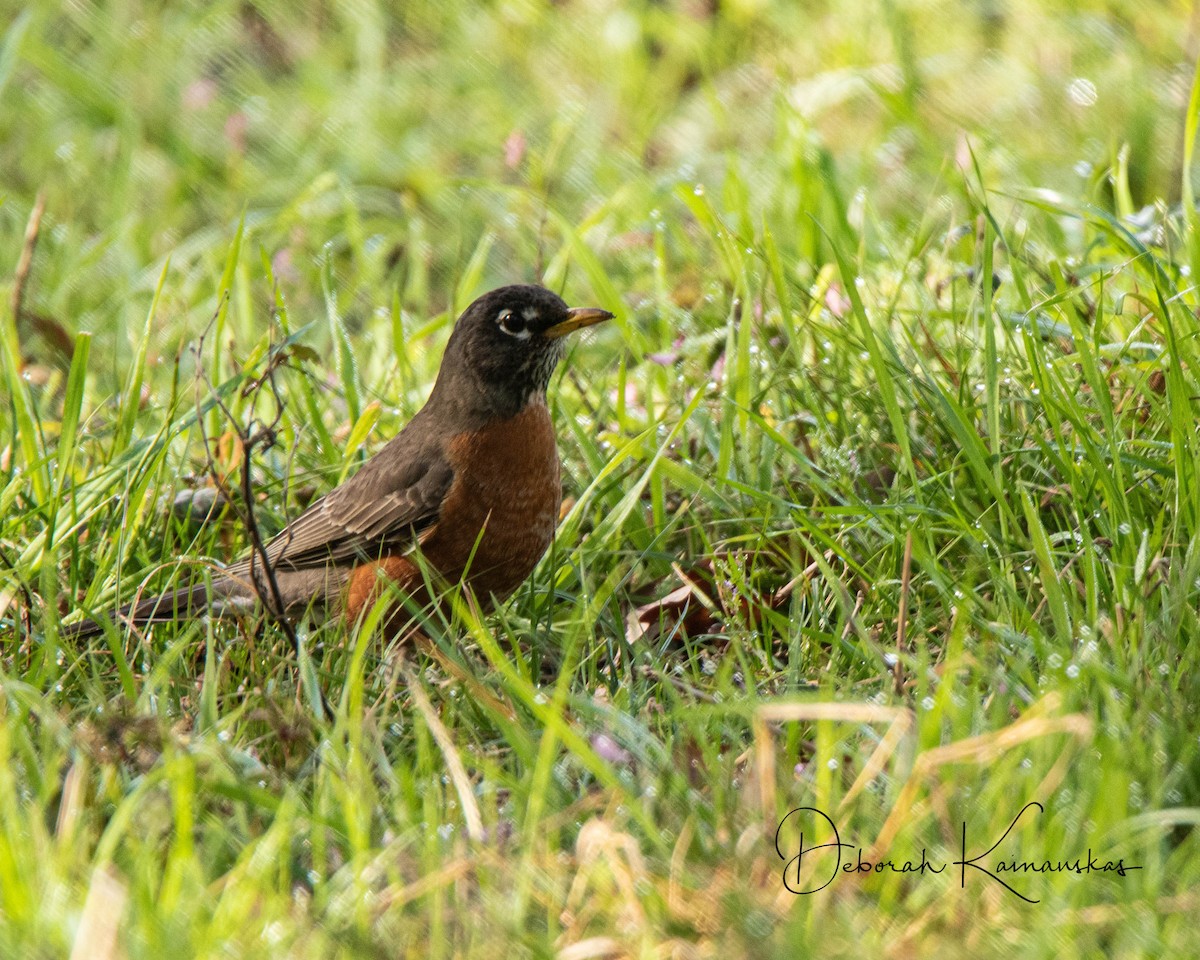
x=512 y=323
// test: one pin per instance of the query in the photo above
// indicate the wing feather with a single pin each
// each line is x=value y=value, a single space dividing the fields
x=384 y=508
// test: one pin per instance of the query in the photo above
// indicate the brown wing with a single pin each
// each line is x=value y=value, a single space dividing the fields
x=383 y=508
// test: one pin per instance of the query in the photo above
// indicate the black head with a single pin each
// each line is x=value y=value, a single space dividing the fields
x=506 y=345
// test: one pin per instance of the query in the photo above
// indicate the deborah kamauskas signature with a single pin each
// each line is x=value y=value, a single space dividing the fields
x=831 y=861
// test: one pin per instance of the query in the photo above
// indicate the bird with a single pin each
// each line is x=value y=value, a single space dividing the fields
x=472 y=483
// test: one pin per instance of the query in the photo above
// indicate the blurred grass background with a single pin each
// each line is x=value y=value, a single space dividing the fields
x=928 y=544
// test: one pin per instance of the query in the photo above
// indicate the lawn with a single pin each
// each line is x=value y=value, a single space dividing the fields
x=883 y=487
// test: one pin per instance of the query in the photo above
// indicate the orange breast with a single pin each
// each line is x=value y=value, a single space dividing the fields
x=497 y=520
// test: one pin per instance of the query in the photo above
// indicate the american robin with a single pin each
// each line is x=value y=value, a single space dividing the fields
x=472 y=482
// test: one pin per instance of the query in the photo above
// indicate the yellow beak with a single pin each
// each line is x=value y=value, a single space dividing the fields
x=577 y=319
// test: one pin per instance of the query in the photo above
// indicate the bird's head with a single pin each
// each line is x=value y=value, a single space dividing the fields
x=506 y=345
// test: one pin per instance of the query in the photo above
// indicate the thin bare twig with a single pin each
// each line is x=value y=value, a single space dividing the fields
x=262 y=572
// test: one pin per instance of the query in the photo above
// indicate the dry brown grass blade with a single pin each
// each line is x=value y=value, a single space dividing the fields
x=96 y=936
x=804 y=576
x=25 y=263
x=1102 y=914
x=898 y=719
x=1037 y=722
x=454 y=764
x=883 y=751
x=7 y=596
x=599 y=844
x=593 y=948
x=452 y=871
x=700 y=908
x=675 y=900
x=72 y=802
x=481 y=694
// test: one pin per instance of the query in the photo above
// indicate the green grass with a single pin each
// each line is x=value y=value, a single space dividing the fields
x=943 y=536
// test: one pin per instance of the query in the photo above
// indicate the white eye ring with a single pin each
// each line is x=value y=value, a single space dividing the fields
x=502 y=319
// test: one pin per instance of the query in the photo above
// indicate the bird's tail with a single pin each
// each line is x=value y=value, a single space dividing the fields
x=173 y=605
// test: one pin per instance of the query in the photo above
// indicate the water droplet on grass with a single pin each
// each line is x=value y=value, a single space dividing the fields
x=1082 y=92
